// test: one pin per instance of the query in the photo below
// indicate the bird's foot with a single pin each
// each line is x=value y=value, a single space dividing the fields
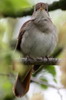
x=29 y=57
x=47 y=57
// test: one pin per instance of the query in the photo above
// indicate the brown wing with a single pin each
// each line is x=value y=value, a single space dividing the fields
x=22 y=31
x=19 y=40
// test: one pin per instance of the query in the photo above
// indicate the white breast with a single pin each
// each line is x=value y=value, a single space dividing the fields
x=38 y=44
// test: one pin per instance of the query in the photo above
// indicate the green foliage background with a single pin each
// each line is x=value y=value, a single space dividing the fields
x=13 y=5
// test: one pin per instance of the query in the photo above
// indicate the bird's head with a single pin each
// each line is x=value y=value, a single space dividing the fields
x=40 y=11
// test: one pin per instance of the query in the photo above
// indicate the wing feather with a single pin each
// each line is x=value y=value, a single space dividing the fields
x=21 y=33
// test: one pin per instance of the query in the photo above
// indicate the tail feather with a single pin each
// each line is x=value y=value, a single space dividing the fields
x=22 y=87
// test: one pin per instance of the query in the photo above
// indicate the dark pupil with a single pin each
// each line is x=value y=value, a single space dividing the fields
x=46 y=9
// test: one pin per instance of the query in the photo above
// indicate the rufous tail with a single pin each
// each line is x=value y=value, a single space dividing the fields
x=22 y=87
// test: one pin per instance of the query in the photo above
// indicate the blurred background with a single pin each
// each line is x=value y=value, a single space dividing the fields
x=13 y=13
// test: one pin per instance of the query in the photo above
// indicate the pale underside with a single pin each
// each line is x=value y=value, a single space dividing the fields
x=38 y=44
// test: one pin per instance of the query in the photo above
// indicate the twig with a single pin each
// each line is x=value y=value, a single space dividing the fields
x=59 y=94
x=44 y=83
x=39 y=61
x=7 y=75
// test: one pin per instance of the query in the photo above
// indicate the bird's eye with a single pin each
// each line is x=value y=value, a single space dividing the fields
x=37 y=8
x=46 y=9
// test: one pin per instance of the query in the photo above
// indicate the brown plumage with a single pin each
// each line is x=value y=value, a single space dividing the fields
x=21 y=87
x=22 y=31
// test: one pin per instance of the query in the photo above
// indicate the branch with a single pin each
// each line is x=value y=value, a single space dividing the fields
x=21 y=13
x=58 y=5
x=8 y=75
x=39 y=61
x=45 y=83
x=28 y=11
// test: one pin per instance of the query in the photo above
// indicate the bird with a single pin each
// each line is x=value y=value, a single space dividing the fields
x=37 y=38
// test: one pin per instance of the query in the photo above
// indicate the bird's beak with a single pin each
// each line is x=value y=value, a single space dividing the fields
x=41 y=8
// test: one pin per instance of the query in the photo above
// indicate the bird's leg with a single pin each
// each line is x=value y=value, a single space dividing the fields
x=47 y=57
x=29 y=57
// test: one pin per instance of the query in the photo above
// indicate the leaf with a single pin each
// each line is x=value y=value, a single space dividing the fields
x=51 y=69
x=44 y=80
x=55 y=80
